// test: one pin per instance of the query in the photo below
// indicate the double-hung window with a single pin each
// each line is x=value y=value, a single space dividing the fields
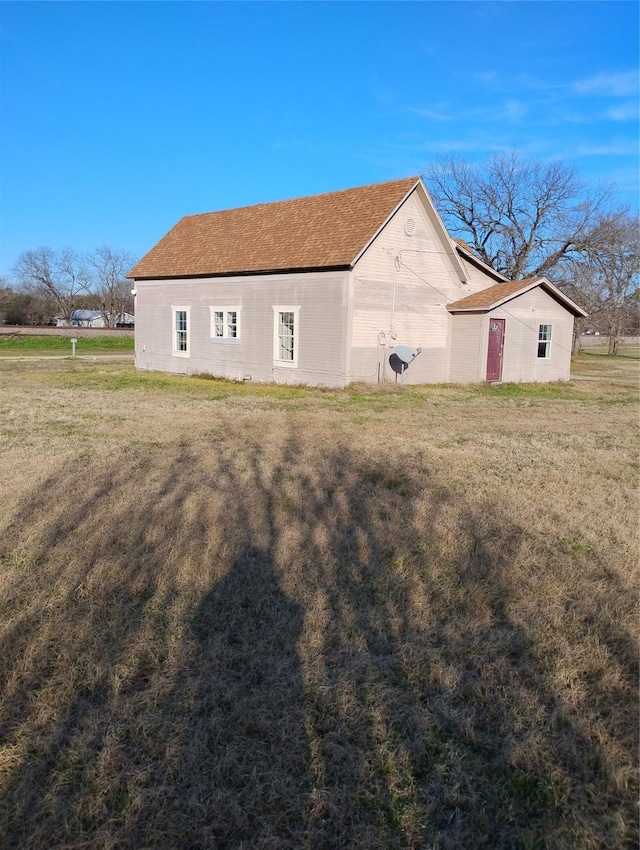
x=544 y=341
x=225 y=323
x=285 y=335
x=180 y=332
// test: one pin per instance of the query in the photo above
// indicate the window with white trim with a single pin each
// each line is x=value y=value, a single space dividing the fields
x=285 y=338
x=544 y=341
x=180 y=333
x=225 y=323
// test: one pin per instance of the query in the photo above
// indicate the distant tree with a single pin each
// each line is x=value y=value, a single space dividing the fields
x=59 y=276
x=111 y=289
x=22 y=308
x=608 y=279
x=5 y=296
x=632 y=314
x=523 y=217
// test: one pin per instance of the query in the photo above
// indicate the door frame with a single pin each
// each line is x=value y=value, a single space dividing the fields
x=502 y=324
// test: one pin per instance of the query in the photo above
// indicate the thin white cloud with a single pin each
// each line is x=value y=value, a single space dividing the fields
x=624 y=112
x=486 y=77
x=625 y=179
x=515 y=110
x=447 y=145
x=622 y=84
x=432 y=114
x=612 y=149
x=509 y=111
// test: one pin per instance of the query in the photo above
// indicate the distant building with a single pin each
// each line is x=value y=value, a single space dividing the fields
x=93 y=319
x=125 y=320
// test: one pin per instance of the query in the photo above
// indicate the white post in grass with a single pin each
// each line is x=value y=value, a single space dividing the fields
x=73 y=347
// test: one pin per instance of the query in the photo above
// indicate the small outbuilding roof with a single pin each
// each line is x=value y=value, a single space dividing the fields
x=86 y=315
x=500 y=293
x=314 y=232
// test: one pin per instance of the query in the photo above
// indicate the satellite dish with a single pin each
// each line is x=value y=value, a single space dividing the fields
x=406 y=354
x=400 y=359
x=396 y=364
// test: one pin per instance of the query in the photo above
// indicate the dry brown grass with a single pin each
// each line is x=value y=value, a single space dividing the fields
x=246 y=618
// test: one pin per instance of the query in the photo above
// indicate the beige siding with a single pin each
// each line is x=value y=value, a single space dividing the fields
x=523 y=316
x=322 y=326
x=468 y=348
x=520 y=363
x=424 y=281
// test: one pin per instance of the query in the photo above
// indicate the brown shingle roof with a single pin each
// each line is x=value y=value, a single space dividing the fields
x=319 y=231
x=466 y=251
x=491 y=297
x=487 y=298
x=465 y=246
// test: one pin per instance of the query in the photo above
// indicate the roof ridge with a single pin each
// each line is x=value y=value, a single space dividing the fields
x=333 y=192
x=325 y=230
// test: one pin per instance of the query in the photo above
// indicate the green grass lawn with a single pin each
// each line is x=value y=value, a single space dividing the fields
x=625 y=350
x=54 y=345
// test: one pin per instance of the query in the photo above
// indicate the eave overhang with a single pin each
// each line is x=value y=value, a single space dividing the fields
x=471 y=304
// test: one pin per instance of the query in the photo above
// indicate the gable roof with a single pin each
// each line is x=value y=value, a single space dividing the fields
x=86 y=314
x=315 y=232
x=500 y=293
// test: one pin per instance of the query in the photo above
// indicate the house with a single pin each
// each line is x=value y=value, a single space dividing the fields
x=81 y=319
x=125 y=320
x=93 y=319
x=537 y=346
x=363 y=284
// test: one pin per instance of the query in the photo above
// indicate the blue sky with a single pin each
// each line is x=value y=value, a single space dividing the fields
x=116 y=119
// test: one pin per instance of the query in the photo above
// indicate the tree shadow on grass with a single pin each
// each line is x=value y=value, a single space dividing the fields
x=247 y=720
x=278 y=644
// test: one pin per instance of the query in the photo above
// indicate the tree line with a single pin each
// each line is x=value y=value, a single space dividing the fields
x=522 y=217
x=50 y=284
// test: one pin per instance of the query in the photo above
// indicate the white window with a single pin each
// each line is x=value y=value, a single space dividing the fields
x=180 y=332
x=225 y=323
x=285 y=335
x=544 y=341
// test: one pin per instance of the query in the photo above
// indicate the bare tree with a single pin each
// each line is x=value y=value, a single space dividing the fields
x=522 y=217
x=110 y=286
x=61 y=276
x=23 y=308
x=6 y=297
x=608 y=279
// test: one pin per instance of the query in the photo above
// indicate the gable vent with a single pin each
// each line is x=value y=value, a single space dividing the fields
x=409 y=227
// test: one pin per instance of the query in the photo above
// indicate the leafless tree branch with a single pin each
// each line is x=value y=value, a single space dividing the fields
x=522 y=217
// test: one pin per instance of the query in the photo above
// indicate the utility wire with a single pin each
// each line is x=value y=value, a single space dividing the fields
x=447 y=297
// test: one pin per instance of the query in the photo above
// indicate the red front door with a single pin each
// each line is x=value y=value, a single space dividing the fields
x=494 y=349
